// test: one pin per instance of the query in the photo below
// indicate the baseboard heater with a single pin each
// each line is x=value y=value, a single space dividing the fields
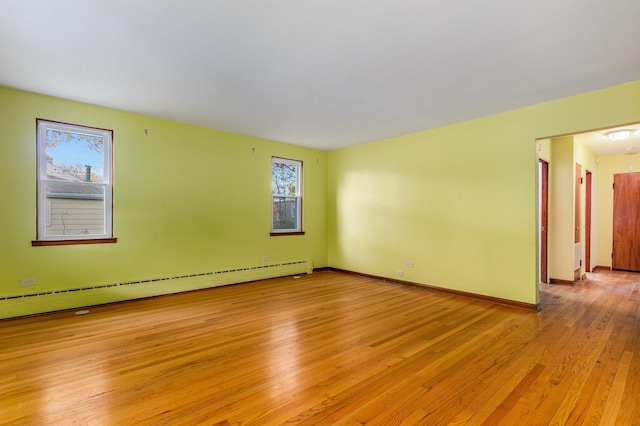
x=48 y=301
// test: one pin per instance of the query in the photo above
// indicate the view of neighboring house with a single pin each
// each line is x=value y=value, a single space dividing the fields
x=73 y=206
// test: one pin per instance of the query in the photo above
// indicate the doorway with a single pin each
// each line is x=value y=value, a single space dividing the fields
x=569 y=254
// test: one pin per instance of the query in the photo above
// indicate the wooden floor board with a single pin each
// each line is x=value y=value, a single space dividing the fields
x=330 y=348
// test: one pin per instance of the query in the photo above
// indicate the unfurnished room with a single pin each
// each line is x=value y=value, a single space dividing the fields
x=319 y=212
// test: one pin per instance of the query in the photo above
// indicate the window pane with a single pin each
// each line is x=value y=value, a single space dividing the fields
x=74 y=209
x=284 y=179
x=285 y=213
x=74 y=156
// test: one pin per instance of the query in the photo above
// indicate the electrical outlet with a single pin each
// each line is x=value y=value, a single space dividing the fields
x=266 y=258
x=399 y=273
x=25 y=282
x=409 y=264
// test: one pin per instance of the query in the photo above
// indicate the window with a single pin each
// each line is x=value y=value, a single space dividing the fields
x=286 y=189
x=74 y=184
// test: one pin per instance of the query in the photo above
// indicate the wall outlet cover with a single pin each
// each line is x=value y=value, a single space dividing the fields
x=25 y=282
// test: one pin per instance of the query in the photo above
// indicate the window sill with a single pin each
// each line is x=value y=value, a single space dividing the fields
x=278 y=234
x=40 y=243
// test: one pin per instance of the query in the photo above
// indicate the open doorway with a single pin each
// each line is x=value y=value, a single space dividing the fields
x=575 y=204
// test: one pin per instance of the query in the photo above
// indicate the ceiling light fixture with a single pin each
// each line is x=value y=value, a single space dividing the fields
x=619 y=135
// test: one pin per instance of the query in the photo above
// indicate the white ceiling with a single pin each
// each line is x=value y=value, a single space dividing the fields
x=600 y=145
x=320 y=73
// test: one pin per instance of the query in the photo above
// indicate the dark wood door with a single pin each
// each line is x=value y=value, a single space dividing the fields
x=576 y=220
x=544 y=220
x=626 y=222
x=587 y=221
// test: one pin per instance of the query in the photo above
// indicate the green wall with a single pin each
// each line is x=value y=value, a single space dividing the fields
x=187 y=200
x=561 y=209
x=459 y=201
x=607 y=167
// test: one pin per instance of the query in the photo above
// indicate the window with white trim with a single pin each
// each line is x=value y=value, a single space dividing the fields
x=286 y=189
x=74 y=183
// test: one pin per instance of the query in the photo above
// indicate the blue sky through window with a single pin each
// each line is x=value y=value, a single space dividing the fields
x=74 y=151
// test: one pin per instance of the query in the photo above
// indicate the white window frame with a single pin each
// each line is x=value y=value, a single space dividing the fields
x=42 y=126
x=298 y=230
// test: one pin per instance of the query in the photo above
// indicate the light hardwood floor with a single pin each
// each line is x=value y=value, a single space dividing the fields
x=330 y=348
